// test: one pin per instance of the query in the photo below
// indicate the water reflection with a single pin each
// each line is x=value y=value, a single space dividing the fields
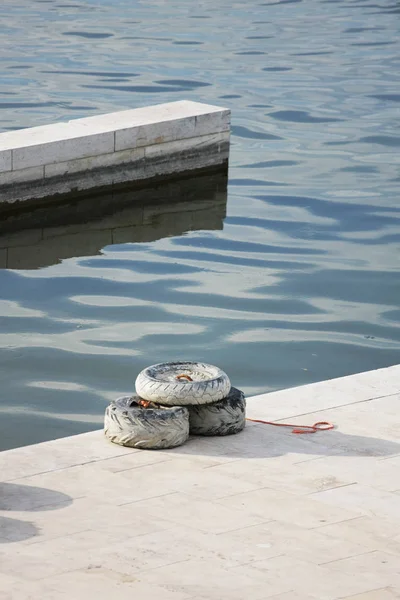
x=85 y=228
x=301 y=284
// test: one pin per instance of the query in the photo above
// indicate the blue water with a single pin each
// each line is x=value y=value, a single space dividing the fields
x=302 y=283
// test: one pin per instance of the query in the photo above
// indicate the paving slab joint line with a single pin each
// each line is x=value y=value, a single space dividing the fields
x=54 y=470
x=247 y=527
x=343 y=485
x=335 y=487
x=338 y=560
x=293 y=494
x=227 y=462
x=176 y=562
x=356 y=596
x=148 y=498
x=337 y=523
x=254 y=562
x=313 y=412
x=34 y=541
x=307 y=460
x=389 y=457
x=134 y=467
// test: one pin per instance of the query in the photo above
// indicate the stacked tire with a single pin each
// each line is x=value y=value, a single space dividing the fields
x=225 y=417
x=172 y=401
x=128 y=423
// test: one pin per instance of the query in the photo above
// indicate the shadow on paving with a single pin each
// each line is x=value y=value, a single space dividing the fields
x=17 y=497
x=13 y=530
x=264 y=441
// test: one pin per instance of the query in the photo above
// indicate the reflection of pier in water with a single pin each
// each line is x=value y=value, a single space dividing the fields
x=48 y=234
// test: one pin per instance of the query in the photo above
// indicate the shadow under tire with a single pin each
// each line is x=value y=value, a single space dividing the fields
x=128 y=424
x=225 y=417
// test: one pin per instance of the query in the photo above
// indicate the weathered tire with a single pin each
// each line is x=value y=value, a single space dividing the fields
x=158 y=383
x=128 y=424
x=225 y=417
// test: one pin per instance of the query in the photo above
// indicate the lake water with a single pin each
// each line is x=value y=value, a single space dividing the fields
x=299 y=283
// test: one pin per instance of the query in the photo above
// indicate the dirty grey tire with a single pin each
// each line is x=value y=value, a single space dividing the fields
x=159 y=383
x=128 y=424
x=225 y=417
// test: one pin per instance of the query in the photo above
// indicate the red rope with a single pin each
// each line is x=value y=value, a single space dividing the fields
x=184 y=377
x=299 y=429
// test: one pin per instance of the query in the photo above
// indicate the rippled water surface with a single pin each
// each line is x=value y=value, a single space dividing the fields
x=301 y=284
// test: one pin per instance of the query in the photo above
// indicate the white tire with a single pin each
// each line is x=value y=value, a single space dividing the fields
x=182 y=383
x=226 y=417
x=128 y=424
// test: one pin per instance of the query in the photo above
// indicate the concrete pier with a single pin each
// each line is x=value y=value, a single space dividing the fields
x=107 y=151
x=265 y=514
